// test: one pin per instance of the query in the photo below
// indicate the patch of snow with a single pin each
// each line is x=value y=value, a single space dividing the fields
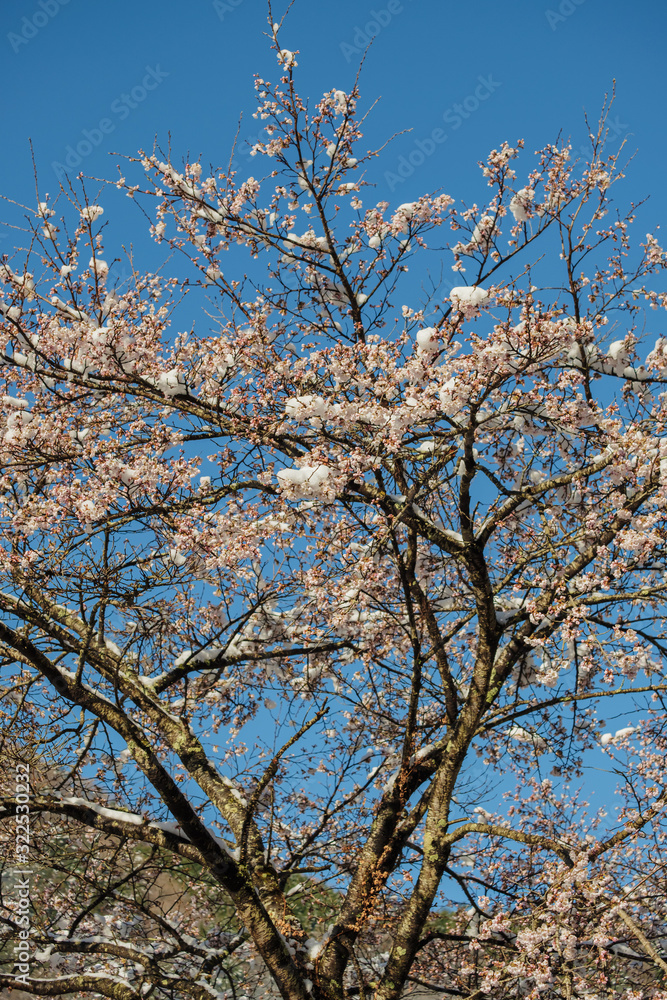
x=521 y=204
x=502 y=617
x=171 y=383
x=170 y=827
x=295 y=889
x=482 y=816
x=403 y=214
x=427 y=340
x=622 y=733
x=470 y=296
x=11 y=401
x=183 y=658
x=117 y=815
x=424 y=516
x=522 y=735
x=314 y=947
x=617 y=349
x=304 y=481
x=424 y=752
x=208 y=654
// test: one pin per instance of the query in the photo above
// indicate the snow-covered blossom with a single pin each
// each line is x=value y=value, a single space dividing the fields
x=427 y=340
x=521 y=205
x=468 y=298
x=525 y=736
x=306 y=481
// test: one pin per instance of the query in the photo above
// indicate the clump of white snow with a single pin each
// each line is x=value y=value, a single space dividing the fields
x=170 y=383
x=469 y=298
x=522 y=735
x=306 y=482
x=482 y=237
x=471 y=294
x=620 y=734
x=306 y=407
x=403 y=214
x=521 y=205
x=427 y=340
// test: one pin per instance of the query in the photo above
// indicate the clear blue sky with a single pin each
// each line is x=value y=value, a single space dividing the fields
x=67 y=66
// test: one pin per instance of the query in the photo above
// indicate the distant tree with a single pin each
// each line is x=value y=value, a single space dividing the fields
x=286 y=594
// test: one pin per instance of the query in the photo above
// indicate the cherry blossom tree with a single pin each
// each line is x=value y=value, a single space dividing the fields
x=312 y=612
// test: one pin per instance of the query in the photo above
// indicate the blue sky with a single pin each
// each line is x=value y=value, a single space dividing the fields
x=522 y=69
